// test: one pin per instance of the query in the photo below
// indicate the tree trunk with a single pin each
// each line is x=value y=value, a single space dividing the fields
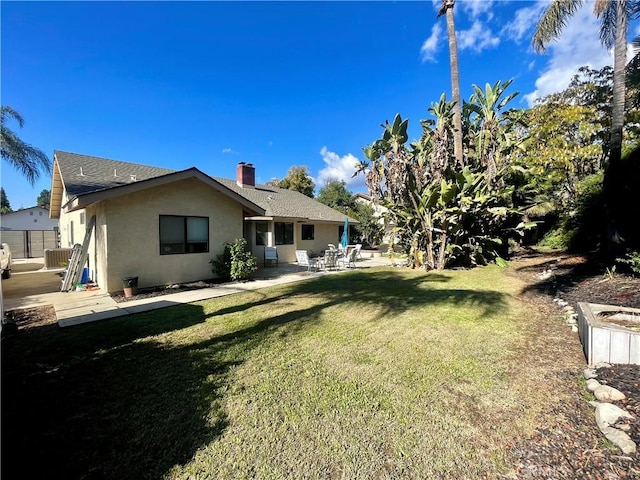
x=443 y=248
x=455 y=83
x=612 y=181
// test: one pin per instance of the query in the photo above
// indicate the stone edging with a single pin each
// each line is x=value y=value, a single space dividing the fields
x=607 y=414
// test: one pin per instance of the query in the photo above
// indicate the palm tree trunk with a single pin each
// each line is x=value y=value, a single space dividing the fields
x=455 y=82
x=612 y=180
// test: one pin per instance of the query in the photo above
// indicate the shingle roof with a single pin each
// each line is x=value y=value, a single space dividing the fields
x=278 y=202
x=83 y=174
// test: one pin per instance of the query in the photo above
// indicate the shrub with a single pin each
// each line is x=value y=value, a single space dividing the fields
x=631 y=261
x=235 y=263
x=581 y=229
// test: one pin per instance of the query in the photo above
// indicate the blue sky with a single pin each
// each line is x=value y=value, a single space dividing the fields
x=209 y=84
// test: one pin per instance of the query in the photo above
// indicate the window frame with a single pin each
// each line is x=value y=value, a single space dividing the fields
x=307 y=226
x=280 y=233
x=186 y=246
x=259 y=240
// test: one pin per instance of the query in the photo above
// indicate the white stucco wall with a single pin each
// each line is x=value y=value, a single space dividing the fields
x=34 y=218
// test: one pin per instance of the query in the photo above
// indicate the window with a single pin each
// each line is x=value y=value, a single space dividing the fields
x=183 y=234
x=262 y=228
x=307 y=232
x=82 y=218
x=284 y=233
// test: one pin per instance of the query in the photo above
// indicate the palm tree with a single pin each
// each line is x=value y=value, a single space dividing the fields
x=613 y=16
x=25 y=158
x=447 y=10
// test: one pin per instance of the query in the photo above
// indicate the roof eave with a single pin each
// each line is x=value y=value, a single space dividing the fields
x=83 y=201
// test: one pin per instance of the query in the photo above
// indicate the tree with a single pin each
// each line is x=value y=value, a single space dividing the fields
x=44 y=198
x=27 y=159
x=491 y=127
x=297 y=179
x=447 y=10
x=442 y=215
x=335 y=195
x=369 y=225
x=5 y=206
x=613 y=16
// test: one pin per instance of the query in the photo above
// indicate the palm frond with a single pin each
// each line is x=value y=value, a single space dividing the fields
x=553 y=21
x=606 y=12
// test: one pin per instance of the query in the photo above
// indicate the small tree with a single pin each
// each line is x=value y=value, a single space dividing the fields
x=235 y=262
x=44 y=198
x=5 y=207
x=297 y=179
x=335 y=195
x=369 y=227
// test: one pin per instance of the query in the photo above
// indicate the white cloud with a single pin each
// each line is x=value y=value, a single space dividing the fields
x=578 y=45
x=475 y=8
x=525 y=21
x=477 y=38
x=430 y=45
x=338 y=168
x=229 y=150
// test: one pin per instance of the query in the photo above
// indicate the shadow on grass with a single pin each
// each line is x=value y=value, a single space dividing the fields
x=119 y=400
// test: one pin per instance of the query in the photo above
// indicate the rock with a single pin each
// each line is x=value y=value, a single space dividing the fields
x=605 y=393
x=589 y=373
x=602 y=365
x=620 y=439
x=593 y=403
x=625 y=427
x=546 y=275
x=608 y=414
x=574 y=329
x=592 y=384
x=562 y=303
x=568 y=308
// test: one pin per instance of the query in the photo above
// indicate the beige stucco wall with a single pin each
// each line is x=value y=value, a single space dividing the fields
x=73 y=228
x=131 y=224
x=324 y=233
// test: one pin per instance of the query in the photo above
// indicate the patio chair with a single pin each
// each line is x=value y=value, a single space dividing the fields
x=330 y=259
x=270 y=254
x=332 y=246
x=358 y=248
x=303 y=260
x=350 y=260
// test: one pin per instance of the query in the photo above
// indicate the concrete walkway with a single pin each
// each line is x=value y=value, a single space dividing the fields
x=76 y=308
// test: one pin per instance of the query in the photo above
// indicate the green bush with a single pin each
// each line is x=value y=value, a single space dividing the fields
x=235 y=263
x=582 y=227
x=631 y=261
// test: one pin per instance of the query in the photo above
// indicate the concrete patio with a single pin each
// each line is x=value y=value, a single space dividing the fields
x=34 y=287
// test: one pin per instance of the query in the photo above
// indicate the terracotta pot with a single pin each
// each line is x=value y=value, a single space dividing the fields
x=130 y=291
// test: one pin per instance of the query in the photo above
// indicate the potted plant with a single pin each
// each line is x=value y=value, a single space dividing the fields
x=130 y=285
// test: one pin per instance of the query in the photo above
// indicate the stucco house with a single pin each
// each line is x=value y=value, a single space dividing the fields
x=164 y=226
x=32 y=218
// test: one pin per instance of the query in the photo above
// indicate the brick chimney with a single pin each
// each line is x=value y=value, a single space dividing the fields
x=246 y=175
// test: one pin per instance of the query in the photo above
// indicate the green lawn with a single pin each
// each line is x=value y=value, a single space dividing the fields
x=377 y=373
